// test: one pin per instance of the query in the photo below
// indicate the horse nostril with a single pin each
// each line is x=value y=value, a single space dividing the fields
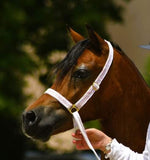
x=29 y=118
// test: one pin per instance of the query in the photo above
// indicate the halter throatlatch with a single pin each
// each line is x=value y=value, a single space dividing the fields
x=74 y=108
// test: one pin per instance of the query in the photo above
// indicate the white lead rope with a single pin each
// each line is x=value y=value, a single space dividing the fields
x=80 y=125
x=74 y=108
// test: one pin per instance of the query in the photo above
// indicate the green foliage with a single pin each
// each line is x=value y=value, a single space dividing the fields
x=93 y=124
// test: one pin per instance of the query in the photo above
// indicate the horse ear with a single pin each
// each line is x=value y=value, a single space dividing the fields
x=97 y=43
x=75 y=36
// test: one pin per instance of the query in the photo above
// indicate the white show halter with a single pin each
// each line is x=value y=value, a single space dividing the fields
x=74 y=108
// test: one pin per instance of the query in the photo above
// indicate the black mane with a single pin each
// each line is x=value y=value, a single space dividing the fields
x=65 y=65
x=116 y=46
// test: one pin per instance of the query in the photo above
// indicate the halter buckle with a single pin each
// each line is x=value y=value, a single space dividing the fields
x=95 y=86
x=73 y=108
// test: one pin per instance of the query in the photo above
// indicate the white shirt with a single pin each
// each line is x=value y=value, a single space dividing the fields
x=120 y=152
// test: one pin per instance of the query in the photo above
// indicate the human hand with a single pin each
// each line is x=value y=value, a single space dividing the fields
x=97 y=138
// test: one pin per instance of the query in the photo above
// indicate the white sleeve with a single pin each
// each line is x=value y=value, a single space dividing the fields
x=146 y=153
x=120 y=152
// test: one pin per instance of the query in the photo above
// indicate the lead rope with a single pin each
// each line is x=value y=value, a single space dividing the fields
x=74 y=108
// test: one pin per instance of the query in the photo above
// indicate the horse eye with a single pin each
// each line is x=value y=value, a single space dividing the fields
x=81 y=74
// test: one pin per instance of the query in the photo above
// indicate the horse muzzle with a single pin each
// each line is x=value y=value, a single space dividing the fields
x=40 y=123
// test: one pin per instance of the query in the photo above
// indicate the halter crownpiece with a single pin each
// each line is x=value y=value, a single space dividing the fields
x=74 y=108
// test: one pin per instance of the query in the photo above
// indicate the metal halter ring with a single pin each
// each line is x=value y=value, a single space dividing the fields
x=73 y=108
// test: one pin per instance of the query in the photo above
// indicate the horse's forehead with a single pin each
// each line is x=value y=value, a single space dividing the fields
x=90 y=60
x=86 y=57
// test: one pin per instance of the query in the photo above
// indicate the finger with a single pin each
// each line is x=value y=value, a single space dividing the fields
x=79 y=145
x=73 y=135
x=77 y=135
x=77 y=141
x=77 y=132
x=74 y=141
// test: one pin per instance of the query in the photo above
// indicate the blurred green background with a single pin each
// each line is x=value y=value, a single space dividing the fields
x=40 y=24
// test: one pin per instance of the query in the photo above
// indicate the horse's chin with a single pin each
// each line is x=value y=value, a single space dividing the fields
x=46 y=128
x=38 y=133
x=45 y=135
x=42 y=138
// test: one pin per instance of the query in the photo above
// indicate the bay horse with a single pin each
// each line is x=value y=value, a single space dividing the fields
x=122 y=103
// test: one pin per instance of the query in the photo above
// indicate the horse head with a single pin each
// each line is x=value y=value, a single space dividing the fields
x=74 y=75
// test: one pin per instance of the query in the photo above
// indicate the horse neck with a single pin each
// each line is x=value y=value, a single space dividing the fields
x=125 y=104
x=128 y=107
x=129 y=83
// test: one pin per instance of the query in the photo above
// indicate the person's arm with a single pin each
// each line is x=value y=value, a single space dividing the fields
x=120 y=152
x=99 y=140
